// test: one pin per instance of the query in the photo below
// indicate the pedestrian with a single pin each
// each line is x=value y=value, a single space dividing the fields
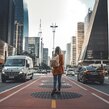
x=57 y=71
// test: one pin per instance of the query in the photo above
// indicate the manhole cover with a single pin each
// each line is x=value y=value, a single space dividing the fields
x=63 y=95
x=50 y=85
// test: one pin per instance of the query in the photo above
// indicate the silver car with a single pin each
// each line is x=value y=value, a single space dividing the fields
x=70 y=72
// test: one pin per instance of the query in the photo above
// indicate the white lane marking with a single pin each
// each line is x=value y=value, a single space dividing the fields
x=77 y=84
x=106 y=101
x=12 y=88
x=3 y=99
x=95 y=89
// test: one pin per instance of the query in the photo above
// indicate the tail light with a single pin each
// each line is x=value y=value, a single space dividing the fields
x=87 y=72
x=102 y=72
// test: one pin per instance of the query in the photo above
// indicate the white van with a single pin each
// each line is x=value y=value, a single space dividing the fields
x=18 y=67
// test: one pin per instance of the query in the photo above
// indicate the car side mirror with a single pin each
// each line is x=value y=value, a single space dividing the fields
x=27 y=65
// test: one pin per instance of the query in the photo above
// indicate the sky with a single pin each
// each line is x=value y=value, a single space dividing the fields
x=65 y=13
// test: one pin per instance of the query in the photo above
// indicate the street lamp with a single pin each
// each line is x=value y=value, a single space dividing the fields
x=53 y=26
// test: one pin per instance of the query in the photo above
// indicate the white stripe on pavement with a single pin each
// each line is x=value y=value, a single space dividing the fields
x=77 y=84
x=12 y=88
x=3 y=99
x=95 y=89
x=106 y=101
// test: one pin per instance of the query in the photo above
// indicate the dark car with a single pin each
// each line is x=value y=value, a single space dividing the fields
x=90 y=73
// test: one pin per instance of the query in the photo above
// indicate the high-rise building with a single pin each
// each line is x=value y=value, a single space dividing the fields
x=45 y=56
x=26 y=24
x=73 y=51
x=96 y=43
x=64 y=54
x=19 y=25
x=33 y=45
x=80 y=38
x=19 y=11
x=108 y=26
x=68 y=54
x=7 y=10
x=87 y=22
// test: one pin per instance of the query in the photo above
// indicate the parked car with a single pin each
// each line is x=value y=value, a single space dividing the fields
x=90 y=73
x=70 y=72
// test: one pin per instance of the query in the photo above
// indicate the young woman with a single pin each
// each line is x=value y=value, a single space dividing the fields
x=58 y=71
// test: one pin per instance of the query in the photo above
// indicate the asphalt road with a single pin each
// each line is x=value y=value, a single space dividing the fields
x=103 y=88
x=36 y=94
x=11 y=83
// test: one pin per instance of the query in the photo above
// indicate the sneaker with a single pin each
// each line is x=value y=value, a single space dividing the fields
x=53 y=92
x=59 y=92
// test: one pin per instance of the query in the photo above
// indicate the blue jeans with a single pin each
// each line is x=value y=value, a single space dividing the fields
x=57 y=79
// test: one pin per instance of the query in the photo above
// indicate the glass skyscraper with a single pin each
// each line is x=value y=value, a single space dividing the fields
x=33 y=45
x=7 y=10
x=26 y=25
x=19 y=24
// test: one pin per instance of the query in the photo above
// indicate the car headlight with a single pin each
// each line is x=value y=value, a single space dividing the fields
x=20 y=72
x=3 y=72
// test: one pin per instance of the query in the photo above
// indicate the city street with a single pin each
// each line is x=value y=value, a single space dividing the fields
x=44 y=40
x=36 y=94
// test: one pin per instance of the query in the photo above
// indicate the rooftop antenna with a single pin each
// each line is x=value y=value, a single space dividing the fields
x=40 y=30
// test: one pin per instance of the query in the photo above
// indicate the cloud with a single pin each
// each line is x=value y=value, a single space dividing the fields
x=88 y=3
x=65 y=13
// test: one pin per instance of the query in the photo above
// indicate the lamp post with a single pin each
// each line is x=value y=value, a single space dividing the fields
x=53 y=26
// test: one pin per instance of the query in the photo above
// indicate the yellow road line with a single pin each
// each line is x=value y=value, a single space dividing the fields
x=53 y=104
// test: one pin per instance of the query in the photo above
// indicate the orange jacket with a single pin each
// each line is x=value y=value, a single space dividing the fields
x=60 y=68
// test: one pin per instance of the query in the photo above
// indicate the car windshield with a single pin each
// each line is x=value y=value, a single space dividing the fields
x=15 y=62
x=91 y=68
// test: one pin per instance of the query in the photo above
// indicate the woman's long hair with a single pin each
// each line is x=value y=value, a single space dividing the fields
x=57 y=50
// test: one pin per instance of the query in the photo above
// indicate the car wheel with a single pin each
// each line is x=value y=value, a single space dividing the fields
x=24 y=78
x=3 y=80
x=78 y=78
x=83 y=80
x=31 y=77
x=102 y=82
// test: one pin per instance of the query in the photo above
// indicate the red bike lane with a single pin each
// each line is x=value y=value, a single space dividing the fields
x=36 y=94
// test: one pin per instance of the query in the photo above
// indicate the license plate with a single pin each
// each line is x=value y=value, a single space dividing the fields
x=94 y=73
x=11 y=77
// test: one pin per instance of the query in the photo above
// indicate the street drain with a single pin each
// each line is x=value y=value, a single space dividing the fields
x=49 y=85
x=63 y=95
